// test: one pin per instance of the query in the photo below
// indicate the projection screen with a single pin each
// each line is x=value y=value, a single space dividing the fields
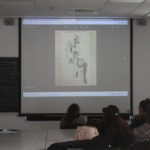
x=84 y=61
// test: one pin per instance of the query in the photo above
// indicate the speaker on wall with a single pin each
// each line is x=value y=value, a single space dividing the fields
x=141 y=21
x=9 y=21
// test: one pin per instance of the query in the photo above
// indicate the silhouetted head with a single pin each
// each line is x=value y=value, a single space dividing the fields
x=111 y=112
x=143 y=104
x=147 y=113
x=73 y=110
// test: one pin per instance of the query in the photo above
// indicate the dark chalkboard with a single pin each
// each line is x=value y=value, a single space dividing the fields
x=9 y=84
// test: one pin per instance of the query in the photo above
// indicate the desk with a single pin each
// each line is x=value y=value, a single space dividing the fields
x=38 y=139
x=59 y=135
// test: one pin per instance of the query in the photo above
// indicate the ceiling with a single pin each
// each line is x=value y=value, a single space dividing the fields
x=55 y=8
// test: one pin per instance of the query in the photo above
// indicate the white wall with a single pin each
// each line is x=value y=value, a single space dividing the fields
x=141 y=63
x=141 y=71
x=8 y=39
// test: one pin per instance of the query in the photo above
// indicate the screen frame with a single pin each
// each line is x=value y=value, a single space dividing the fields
x=58 y=116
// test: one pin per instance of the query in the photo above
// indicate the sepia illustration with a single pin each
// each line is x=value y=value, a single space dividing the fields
x=74 y=62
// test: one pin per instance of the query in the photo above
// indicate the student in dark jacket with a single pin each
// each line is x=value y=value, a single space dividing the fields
x=139 y=119
x=72 y=119
x=143 y=131
x=117 y=133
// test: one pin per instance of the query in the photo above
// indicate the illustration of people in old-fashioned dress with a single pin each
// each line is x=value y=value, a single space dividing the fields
x=74 y=57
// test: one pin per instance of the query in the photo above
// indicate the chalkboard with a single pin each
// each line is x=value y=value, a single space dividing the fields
x=9 y=84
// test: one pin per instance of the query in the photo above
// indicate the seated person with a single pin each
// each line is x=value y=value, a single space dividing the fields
x=72 y=118
x=117 y=134
x=142 y=132
x=140 y=119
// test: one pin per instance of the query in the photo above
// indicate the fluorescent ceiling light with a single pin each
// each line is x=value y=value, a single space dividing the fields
x=126 y=1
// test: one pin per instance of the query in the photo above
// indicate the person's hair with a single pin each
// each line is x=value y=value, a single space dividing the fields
x=144 y=103
x=114 y=122
x=73 y=112
x=147 y=113
x=111 y=112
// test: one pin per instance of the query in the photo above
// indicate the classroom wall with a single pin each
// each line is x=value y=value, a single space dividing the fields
x=141 y=71
x=8 y=39
x=141 y=63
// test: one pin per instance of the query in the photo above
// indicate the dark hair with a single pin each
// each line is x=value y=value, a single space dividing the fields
x=114 y=124
x=144 y=103
x=147 y=113
x=73 y=112
x=111 y=112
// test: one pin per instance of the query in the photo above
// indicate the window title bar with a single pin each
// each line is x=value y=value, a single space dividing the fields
x=75 y=94
x=75 y=22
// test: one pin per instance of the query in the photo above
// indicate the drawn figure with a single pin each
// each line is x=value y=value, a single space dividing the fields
x=77 y=61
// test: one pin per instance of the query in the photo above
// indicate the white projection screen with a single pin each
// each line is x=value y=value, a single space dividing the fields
x=83 y=61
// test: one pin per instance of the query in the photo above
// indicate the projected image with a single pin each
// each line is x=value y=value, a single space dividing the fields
x=75 y=58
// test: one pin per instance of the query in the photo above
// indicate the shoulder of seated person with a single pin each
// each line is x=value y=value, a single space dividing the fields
x=138 y=117
x=81 y=116
x=137 y=121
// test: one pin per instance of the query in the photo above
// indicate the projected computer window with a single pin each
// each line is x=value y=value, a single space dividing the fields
x=83 y=61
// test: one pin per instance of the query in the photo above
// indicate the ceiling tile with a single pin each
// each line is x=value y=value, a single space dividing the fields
x=59 y=3
x=147 y=1
x=127 y=1
x=17 y=6
x=67 y=7
x=93 y=4
x=118 y=9
x=142 y=10
x=17 y=2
